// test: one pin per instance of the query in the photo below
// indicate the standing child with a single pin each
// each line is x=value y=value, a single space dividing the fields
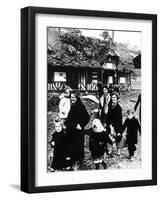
x=133 y=126
x=58 y=144
x=64 y=104
x=98 y=143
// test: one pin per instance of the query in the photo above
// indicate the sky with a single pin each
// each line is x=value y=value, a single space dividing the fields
x=132 y=38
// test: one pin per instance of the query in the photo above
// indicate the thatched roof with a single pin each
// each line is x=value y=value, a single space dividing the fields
x=126 y=58
x=137 y=61
x=71 y=48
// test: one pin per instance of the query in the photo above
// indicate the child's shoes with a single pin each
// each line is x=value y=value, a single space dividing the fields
x=132 y=158
x=52 y=170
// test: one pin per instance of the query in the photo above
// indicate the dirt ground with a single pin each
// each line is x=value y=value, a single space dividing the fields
x=127 y=100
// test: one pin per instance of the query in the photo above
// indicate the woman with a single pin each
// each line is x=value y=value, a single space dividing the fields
x=77 y=119
x=104 y=104
x=100 y=88
x=114 y=119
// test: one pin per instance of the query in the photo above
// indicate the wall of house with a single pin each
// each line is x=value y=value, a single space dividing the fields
x=124 y=81
x=136 y=80
x=87 y=79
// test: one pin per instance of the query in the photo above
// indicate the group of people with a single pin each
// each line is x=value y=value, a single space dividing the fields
x=106 y=130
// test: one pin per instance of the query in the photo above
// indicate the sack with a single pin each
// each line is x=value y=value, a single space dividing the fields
x=122 y=143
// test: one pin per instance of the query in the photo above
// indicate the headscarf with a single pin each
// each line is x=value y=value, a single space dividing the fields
x=98 y=124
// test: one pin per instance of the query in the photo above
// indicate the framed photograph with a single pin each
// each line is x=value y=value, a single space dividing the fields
x=88 y=99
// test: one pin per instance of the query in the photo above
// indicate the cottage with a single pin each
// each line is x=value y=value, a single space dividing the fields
x=84 y=78
x=81 y=62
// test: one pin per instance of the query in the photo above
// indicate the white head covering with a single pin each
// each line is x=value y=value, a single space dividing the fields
x=98 y=124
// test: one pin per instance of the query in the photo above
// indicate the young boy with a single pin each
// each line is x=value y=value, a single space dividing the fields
x=133 y=126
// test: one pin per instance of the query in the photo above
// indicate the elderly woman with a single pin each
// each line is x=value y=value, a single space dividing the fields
x=77 y=119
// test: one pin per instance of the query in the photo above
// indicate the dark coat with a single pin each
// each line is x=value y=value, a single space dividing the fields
x=133 y=127
x=59 y=159
x=103 y=105
x=98 y=144
x=75 y=138
x=114 y=118
x=77 y=115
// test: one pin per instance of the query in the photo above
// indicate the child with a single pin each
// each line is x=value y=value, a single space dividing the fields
x=64 y=104
x=133 y=126
x=58 y=143
x=98 y=143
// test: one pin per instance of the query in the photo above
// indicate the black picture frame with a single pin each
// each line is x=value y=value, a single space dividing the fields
x=28 y=98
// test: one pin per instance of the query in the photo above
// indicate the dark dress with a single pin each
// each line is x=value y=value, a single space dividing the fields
x=103 y=115
x=98 y=143
x=114 y=118
x=133 y=127
x=75 y=138
x=59 y=159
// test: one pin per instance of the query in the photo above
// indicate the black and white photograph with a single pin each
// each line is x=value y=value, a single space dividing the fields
x=89 y=86
x=94 y=92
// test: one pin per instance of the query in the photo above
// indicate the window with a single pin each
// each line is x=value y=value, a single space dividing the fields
x=94 y=77
x=108 y=66
x=60 y=76
x=122 y=79
x=110 y=79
